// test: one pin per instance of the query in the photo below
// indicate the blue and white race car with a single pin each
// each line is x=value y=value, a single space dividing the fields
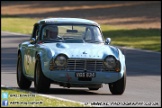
x=70 y=52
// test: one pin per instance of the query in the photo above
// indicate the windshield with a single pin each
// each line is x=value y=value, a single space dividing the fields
x=72 y=34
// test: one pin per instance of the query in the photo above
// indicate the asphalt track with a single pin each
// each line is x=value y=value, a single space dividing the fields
x=143 y=86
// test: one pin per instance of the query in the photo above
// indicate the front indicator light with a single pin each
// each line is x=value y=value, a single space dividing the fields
x=51 y=65
x=117 y=69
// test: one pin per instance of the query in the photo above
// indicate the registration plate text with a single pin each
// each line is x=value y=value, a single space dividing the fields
x=85 y=74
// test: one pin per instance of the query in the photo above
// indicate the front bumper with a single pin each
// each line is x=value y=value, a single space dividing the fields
x=70 y=78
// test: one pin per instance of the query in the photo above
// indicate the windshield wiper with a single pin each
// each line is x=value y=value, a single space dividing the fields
x=50 y=41
x=94 y=41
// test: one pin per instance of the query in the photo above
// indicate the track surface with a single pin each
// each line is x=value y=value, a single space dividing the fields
x=143 y=76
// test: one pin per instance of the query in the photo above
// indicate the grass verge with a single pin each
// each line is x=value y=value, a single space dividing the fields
x=148 y=39
x=18 y=25
x=17 y=98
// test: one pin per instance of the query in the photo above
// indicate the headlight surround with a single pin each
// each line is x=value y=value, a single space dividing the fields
x=61 y=61
x=111 y=64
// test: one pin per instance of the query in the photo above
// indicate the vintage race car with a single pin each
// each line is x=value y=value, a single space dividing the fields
x=70 y=52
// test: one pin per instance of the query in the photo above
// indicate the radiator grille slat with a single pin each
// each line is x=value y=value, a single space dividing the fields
x=90 y=65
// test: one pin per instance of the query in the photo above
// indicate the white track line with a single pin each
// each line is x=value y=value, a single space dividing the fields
x=139 y=49
x=14 y=33
x=43 y=95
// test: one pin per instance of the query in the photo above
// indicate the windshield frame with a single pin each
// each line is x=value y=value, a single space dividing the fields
x=69 y=24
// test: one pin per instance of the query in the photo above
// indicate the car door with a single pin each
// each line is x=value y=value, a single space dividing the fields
x=30 y=55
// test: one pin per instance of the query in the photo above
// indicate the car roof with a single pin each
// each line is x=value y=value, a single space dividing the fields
x=67 y=21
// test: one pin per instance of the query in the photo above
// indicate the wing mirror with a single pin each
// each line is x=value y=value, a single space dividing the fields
x=32 y=40
x=108 y=41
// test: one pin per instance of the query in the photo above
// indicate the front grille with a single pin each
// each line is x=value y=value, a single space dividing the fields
x=89 y=65
x=82 y=65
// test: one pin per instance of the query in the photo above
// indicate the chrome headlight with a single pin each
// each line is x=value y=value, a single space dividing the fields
x=61 y=61
x=110 y=62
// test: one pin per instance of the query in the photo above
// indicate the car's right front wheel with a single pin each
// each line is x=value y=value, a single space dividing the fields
x=41 y=83
x=118 y=87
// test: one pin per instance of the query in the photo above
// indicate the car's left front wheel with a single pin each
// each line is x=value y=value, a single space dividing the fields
x=118 y=87
x=22 y=81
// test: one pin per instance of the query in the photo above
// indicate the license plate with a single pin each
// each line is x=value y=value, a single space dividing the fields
x=85 y=74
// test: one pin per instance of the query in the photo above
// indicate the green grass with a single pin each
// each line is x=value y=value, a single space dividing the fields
x=18 y=25
x=148 y=39
x=17 y=98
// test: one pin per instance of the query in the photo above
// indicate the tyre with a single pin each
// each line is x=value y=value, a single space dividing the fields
x=41 y=83
x=93 y=88
x=118 y=87
x=22 y=81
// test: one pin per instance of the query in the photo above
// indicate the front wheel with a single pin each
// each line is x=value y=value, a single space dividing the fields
x=22 y=81
x=41 y=83
x=118 y=87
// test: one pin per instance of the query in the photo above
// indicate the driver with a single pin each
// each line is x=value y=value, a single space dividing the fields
x=52 y=32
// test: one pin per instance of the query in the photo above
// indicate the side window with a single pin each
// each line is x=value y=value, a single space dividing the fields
x=35 y=31
x=88 y=35
x=45 y=33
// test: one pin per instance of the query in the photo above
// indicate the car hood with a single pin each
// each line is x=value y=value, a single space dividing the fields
x=83 y=50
